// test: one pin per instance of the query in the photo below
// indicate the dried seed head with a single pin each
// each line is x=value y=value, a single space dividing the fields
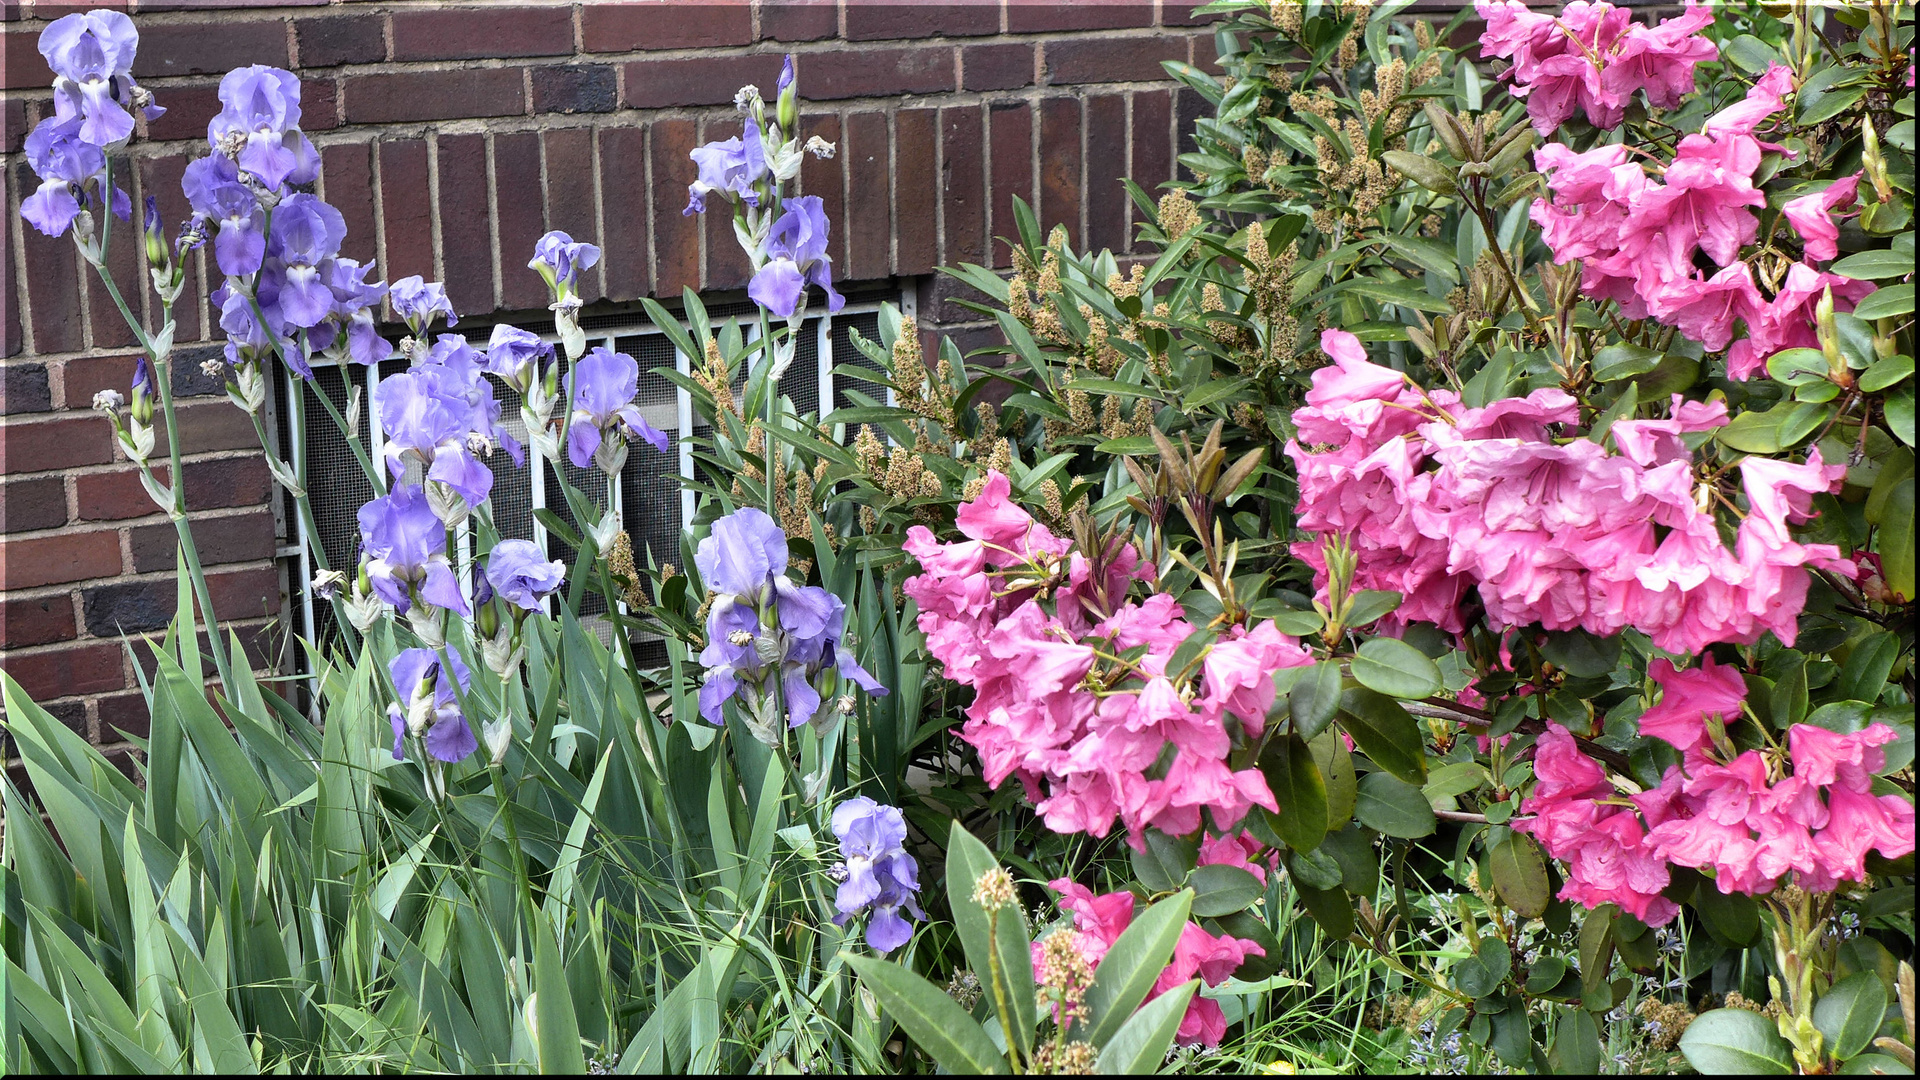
x=994 y=889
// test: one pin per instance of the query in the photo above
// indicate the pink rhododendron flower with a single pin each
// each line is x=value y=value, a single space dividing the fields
x=1591 y=58
x=1237 y=849
x=1786 y=321
x=1766 y=97
x=1687 y=698
x=1811 y=216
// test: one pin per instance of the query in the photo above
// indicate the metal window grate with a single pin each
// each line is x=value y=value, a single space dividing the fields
x=649 y=497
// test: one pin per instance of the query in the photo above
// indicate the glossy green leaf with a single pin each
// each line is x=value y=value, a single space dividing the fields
x=1385 y=732
x=1140 y=1047
x=932 y=1019
x=1391 y=806
x=1395 y=668
x=1850 y=1013
x=1896 y=539
x=1300 y=791
x=1874 y=265
x=1623 y=361
x=1222 y=890
x=967 y=860
x=1735 y=1042
x=1315 y=699
x=1576 y=1044
x=1887 y=302
x=1483 y=972
x=1520 y=874
x=1127 y=973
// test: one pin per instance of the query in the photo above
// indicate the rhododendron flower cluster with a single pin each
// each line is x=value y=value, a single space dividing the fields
x=1441 y=500
x=1098 y=922
x=1640 y=238
x=1015 y=614
x=1592 y=57
x=1738 y=816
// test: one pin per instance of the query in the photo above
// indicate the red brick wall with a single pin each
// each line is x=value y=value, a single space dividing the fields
x=452 y=137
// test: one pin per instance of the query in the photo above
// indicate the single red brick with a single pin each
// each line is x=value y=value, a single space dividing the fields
x=50 y=560
x=623 y=186
x=1183 y=14
x=916 y=192
x=630 y=26
x=15 y=124
x=1188 y=108
x=188 y=109
x=160 y=178
x=466 y=234
x=25 y=67
x=799 y=20
x=873 y=20
x=24 y=389
x=572 y=206
x=26 y=505
x=115 y=495
x=222 y=482
x=12 y=337
x=925 y=69
x=1033 y=18
x=499 y=30
x=340 y=39
x=245 y=594
x=36 y=620
x=124 y=714
x=1010 y=137
x=406 y=208
x=997 y=67
x=58 y=443
x=1152 y=141
x=439 y=94
x=68 y=670
x=827 y=179
x=219 y=44
x=1106 y=195
x=52 y=271
x=319 y=103
x=1060 y=186
x=703 y=80
x=129 y=607
x=1205 y=53
x=676 y=239
x=347 y=173
x=1098 y=60
x=207 y=426
x=963 y=175
x=575 y=88
x=518 y=202
x=869 y=168
x=245 y=537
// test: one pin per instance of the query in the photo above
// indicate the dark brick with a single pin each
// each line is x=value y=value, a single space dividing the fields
x=626 y=27
x=827 y=179
x=129 y=762
x=160 y=178
x=51 y=560
x=799 y=20
x=319 y=103
x=1181 y=14
x=26 y=505
x=25 y=67
x=245 y=594
x=15 y=122
x=1152 y=141
x=188 y=110
x=53 y=287
x=623 y=185
x=23 y=389
x=1188 y=108
x=342 y=39
x=1106 y=196
x=71 y=713
x=115 y=495
x=207 y=426
x=572 y=206
x=575 y=88
x=873 y=20
x=916 y=192
x=676 y=239
x=440 y=94
x=926 y=69
x=36 y=620
x=1079 y=15
x=869 y=169
x=406 y=208
x=126 y=714
x=215 y=46
x=1099 y=60
x=479 y=33
x=1060 y=187
x=963 y=173
x=68 y=670
x=727 y=266
x=518 y=202
x=466 y=233
x=1010 y=135
x=347 y=172
x=62 y=443
x=223 y=482
x=1206 y=53
x=996 y=67
x=128 y=607
x=704 y=80
x=945 y=290
x=238 y=538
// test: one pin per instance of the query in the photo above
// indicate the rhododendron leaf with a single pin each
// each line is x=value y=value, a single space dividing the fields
x=1817 y=392
x=1789 y=699
x=1868 y=664
x=1896 y=540
x=1736 y=1042
x=1314 y=869
x=1895 y=466
x=1885 y=373
x=1385 y=732
x=1480 y=974
x=1621 y=409
x=1352 y=847
x=1733 y=918
x=1581 y=654
x=1886 y=303
x=1625 y=360
x=939 y=1025
x=1899 y=410
x=1300 y=791
x=1520 y=875
x=1544 y=974
x=1393 y=807
x=1336 y=767
x=1331 y=908
x=1798 y=367
x=1576 y=1044
x=1315 y=699
x=1131 y=966
x=1512 y=1036
x=1756 y=432
x=1222 y=890
x=1250 y=925
x=1166 y=862
x=1396 y=669
x=1676 y=373
x=1871 y=265
x=967 y=859
x=1368 y=605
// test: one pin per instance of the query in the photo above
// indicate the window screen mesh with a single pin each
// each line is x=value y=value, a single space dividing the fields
x=846 y=354
x=512 y=497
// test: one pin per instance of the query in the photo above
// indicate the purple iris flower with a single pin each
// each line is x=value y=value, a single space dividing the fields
x=142 y=380
x=247 y=337
x=730 y=166
x=91 y=55
x=213 y=186
x=306 y=233
x=515 y=354
x=880 y=876
x=408 y=548
x=786 y=77
x=353 y=303
x=808 y=656
x=65 y=163
x=458 y=368
x=418 y=673
x=416 y=300
x=560 y=259
x=519 y=571
x=604 y=383
x=424 y=420
x=796 y=257
x=261 y=105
